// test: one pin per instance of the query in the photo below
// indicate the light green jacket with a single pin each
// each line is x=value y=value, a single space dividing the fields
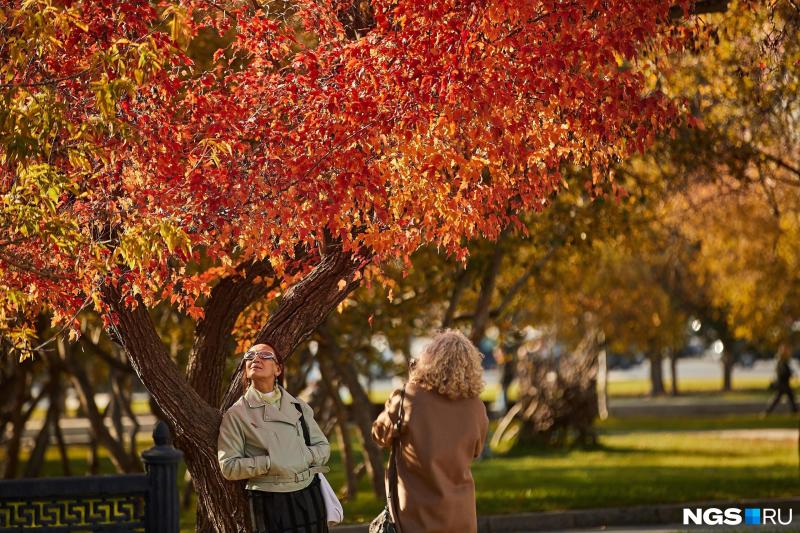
x=265 y=445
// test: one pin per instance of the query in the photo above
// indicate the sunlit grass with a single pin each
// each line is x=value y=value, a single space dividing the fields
x=638 y=462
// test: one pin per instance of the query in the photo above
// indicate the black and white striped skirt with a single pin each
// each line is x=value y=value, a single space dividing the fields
x=302 y=511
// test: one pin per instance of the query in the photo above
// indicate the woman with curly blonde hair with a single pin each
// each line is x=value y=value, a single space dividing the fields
x=442 y=430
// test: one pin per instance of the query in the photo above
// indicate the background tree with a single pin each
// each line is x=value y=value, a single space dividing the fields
x=733 y=187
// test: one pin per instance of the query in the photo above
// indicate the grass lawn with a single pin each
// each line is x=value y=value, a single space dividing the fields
x=743 y=389
x=641 y=387
x=639 y=467
x=640 y=461
x=649 y=424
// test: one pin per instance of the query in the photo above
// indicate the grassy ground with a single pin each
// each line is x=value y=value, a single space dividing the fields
x=654 y=424
x=743 y=389
x=643 y=465
x=741 y=385
x=639 y=461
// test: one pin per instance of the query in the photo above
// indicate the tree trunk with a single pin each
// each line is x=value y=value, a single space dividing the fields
x=602 y=385
x=332 y=389
x=673 y=370
x=480 y=319
x=222 y=506
x=462 y=279
x=17 y=424
x=727 y=371
x=34 y=465
x=656 y=375
x=83 y=387
x=361 y=410
x=212 y=340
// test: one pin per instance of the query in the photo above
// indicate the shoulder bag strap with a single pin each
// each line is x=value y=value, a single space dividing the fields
x=306 y=433
x=391 y=496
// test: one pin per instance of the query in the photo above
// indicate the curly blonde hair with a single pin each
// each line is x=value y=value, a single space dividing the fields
x=449 y=365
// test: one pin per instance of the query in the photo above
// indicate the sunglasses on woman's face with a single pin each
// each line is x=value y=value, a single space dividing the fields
x=250 y=355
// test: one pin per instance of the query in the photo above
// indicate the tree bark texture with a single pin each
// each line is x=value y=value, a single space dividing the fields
x=192 y=413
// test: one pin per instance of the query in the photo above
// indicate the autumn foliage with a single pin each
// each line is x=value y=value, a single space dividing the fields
x=382 y=126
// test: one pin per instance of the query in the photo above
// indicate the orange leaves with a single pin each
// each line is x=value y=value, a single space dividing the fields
x=252 y=134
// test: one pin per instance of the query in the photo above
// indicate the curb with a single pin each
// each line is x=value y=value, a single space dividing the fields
x=640 y=515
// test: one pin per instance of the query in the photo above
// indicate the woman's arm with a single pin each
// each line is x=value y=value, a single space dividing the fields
x=383 y=430
x=230 y=453
x=484 y=431
x=319 y=447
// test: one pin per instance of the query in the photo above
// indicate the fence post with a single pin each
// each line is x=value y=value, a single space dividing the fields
x=162 y=514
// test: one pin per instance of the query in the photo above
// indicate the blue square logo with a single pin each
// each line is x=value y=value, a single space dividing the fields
x=752 y=516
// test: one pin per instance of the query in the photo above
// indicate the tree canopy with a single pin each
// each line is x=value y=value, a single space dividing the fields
x=161 y=145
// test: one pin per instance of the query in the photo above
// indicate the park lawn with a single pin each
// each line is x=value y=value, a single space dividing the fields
x=697 y=423
x=640 y=461
x=743 y=389
x=627 y=469
x=641 y=387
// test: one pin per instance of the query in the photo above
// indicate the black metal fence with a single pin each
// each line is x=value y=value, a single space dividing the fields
x=131 y=502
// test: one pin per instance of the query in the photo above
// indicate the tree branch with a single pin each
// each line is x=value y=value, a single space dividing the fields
x=228 y=299
x=304 y=307
x=520 y=283
x=462 y=279
x=701 y=7
x=135 y=331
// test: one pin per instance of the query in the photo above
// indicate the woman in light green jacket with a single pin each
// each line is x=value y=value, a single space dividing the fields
x=261 y=439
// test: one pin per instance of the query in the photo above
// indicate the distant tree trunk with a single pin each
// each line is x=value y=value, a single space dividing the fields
x=480 y=319
x=361 y=410
x=36 y=459
x=462 y=279
x=602 y=385
x=656 y=375
x=727 y=370
x=673 y=370
x=332 y=389
x=123 y=462
x=18 y=421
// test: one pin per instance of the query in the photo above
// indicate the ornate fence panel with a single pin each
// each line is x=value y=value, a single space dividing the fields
x=132 y=502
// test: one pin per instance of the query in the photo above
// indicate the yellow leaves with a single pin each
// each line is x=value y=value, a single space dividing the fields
x=140 y=246
x=174 y=237
x=209 y=149
x=177 y=23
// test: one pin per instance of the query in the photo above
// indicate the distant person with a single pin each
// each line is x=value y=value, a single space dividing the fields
x=783 y=371
x=261 y=439
x=508 y=368
x=443 y=429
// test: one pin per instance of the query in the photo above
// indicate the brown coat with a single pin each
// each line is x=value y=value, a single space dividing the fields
x=439 y=439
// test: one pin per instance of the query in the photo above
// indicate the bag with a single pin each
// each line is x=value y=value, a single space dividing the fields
x=334 y=513
x=333 y=508
x=383 y=523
